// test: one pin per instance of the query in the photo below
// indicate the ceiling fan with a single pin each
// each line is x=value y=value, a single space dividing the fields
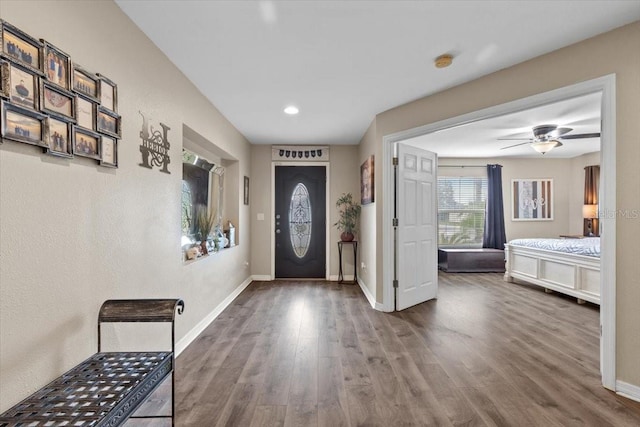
x=547 y=137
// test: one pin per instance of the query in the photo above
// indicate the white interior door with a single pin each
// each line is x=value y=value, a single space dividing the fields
x=417 y=230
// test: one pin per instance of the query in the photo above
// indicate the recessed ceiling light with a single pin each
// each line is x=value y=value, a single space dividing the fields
x=291 y=110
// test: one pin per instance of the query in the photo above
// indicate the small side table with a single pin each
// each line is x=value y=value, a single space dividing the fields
x=354 y=244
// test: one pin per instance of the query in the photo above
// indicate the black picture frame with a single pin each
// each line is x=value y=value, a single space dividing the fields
x=22 y=125
x=246 y=190
x=108 y=122
x=109 y=152
x=85 y=83
x=56 y=65
x=56 y=101
x=20 y=47
x=58 y=137
x=19 y=85
x=86 y=143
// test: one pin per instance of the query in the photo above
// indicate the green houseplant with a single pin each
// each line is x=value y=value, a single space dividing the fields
x=349 y=211
x=206 y=222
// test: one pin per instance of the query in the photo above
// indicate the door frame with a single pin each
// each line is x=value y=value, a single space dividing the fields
x=272 y=226
x=607 y=86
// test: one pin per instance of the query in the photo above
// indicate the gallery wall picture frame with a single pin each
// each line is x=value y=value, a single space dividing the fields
x=57 y=101
x=532 y=199
x=108 y=122
x=109 y=157
x=85 y=112
x=108 y=93
x=20 y=47
x=367 y=180
x=19 y=85
x=85 y=83
x=246 y=190
x=22 y=125
x=86 y=143
x=56 y=65
x=58 y=137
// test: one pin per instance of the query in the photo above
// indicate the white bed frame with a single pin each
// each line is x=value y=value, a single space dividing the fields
x=571 y=274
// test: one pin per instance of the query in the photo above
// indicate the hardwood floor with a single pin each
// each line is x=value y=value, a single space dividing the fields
x=485 y=353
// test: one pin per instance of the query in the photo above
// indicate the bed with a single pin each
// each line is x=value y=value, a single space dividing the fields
x=569 y=266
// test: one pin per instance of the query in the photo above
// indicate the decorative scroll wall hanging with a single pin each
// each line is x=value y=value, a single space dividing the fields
x=299 y=153
x=52 y=103
x=155 y=146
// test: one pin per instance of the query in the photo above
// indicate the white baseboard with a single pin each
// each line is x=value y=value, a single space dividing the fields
x=347 y=278
x=627 y=390
x=367 y=293
x=202 y=325
x=261 y=277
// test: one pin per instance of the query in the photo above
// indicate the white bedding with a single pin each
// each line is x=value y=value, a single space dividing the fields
x=589 y=246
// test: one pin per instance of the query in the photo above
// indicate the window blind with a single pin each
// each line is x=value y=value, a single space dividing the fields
x=461 y=210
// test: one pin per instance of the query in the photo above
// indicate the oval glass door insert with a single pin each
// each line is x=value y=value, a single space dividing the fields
x=300 y=220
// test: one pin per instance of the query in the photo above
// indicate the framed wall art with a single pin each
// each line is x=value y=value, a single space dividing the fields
x=58 y=137
x=85 y=113
x=532 y=199
x=108 y=94
x=19 y=85
x=85 y=83
x=86 y=143
x=367 y=193
x=20 y=47
x=108 y=122
x=246 y=190
x=57 y=101
x=57 y=65
x=22 y=125
x=109 y=152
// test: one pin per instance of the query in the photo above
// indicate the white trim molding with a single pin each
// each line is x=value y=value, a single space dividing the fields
x=367 y=293
x=202 y=325
x=627 y=390
x=605 y=85
x=261 y=278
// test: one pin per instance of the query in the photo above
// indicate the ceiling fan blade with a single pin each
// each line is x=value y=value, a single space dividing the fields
x=581 y=135
x=516 y=145
x=515 y=139
x=559 y=132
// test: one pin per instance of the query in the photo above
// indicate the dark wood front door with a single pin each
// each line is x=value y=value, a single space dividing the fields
x=300 y=221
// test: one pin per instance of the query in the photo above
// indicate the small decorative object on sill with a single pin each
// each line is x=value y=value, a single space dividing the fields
x=206 y=223
x=349 y=212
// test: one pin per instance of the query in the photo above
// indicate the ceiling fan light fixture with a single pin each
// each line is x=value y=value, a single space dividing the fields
x=291 y=110
x=544 y=147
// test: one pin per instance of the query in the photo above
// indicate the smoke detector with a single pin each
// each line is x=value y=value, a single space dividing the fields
x=443 y=61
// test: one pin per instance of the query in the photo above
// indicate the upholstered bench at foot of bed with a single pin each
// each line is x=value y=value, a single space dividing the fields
x=471 y=260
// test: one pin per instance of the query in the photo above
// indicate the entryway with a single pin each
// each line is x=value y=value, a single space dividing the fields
x=300 y=221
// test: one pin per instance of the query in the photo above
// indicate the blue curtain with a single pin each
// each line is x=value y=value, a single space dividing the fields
x=494 y=235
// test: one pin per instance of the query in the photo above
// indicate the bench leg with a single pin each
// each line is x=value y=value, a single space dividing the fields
x=581 y=301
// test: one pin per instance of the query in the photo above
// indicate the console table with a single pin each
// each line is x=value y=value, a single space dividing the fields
x=108 y=387
x=354 y=244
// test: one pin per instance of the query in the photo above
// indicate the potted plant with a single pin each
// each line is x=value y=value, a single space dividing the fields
x=206 y=223
x=349 y=211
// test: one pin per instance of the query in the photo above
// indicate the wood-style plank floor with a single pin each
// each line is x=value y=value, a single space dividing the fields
x=485 y=353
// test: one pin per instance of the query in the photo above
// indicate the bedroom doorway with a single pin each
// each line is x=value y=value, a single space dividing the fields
x=606 y=87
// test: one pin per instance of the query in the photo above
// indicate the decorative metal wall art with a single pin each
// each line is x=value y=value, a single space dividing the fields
x=155 y=146
x=299 y=153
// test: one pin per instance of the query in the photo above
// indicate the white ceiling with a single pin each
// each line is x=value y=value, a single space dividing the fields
x=342 y=62
x=480 y=139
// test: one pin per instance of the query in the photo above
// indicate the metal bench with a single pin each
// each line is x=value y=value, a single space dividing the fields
x=108 y=387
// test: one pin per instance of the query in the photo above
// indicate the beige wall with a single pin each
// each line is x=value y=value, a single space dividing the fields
x=344 y=175
x=616 y=52
x=73 y=234
x=368 y=236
